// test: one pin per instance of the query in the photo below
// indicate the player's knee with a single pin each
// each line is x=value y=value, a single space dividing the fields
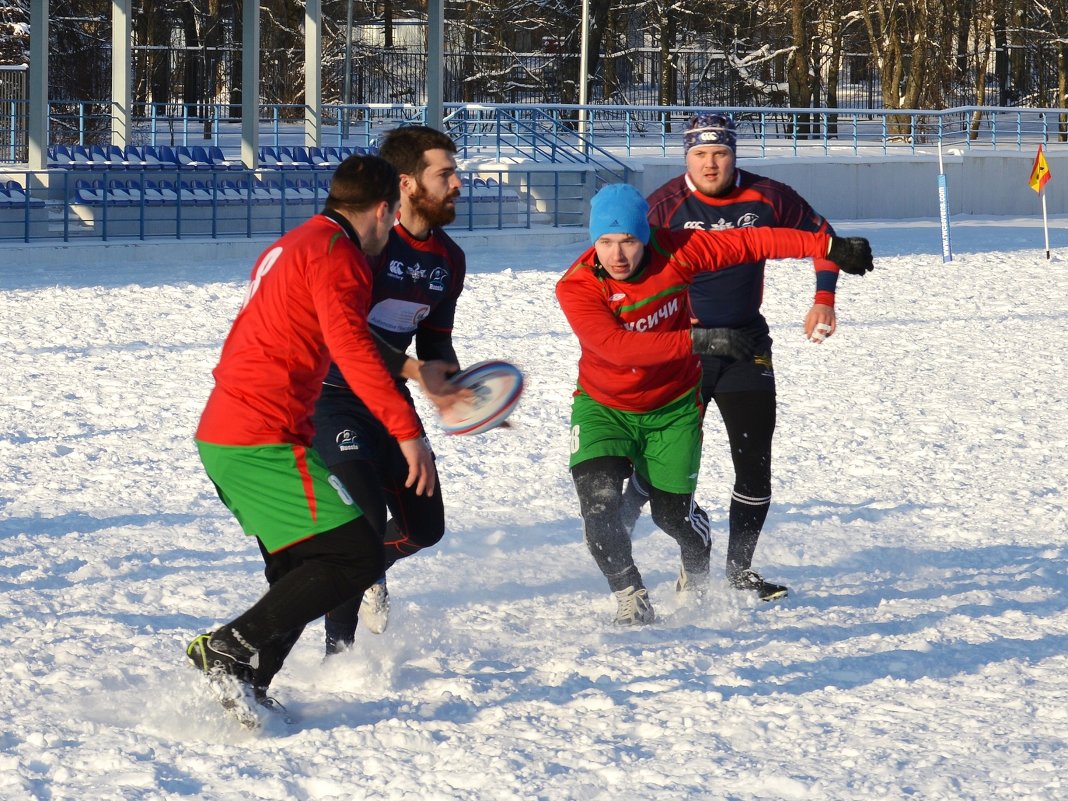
x=670 y=511
x=753 y=486
x=361 y=560
x=428 y=538
x=599 y=485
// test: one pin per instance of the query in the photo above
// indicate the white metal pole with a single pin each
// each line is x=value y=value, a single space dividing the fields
x=313 y=60
x=943 y=208
x=121 y=94
x=38 y=88
x=1045 y=221
x=583 y=73
x=435 y=64
x=250 y=83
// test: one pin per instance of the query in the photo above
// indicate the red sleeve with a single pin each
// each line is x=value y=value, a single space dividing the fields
x=694 y=251
x=601 y=333
x=341 y=294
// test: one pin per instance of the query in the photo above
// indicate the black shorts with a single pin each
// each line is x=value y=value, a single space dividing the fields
x=345 y=430
x=719 y=375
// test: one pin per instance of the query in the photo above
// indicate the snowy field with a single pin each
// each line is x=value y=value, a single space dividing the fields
x=919 y=518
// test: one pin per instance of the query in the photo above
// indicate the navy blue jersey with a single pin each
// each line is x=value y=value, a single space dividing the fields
x=416 y=286
x=731 y=297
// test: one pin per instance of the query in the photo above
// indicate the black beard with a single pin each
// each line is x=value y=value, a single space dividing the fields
x=436 y=214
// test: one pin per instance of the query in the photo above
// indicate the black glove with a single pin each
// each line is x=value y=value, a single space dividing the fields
x=727 y=342
x=852 y=254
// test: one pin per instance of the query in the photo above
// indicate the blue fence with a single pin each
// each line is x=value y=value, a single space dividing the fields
x=175 y=182
x=633 y=131
x=149 y=199
x=625 y=130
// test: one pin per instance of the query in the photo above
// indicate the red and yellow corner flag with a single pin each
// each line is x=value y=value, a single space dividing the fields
x=1040 y=172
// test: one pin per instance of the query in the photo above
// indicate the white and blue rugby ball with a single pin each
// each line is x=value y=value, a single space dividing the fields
x=496 y=385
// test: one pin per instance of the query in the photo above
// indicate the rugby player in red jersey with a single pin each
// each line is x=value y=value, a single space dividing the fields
x=306 y=303
x=638 y=404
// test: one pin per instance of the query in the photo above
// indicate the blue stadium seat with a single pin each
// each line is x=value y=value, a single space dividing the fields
x=229 y=192
x=59 y=157
x=18 y=196
x=134 y=160
x=167 y=157
x=89 y=191
x=116 y=193
x=98 y=155
x=220 y=162
x=152 y=194
x=188 y=161
x=319 y=159
x=286 y=160
x=80 y=158
x=269 y=157
x=169 y=191
x=117 y=156
x=150 y=156
x=199 y=154
x=301 y=158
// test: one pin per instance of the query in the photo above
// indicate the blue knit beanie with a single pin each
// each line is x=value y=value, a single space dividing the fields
x=619 y=209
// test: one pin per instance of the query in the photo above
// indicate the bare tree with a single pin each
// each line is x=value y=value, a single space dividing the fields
x=1055 y=15
x=898 y=35
x=982 y=38
x=15 y=32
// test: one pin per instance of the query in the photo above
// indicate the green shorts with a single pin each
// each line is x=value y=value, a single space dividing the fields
x=281 y=494
x=664 y=445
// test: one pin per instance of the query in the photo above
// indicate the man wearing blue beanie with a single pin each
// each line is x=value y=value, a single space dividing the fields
x=637 y=406
x=714 y=194
x=619 y=209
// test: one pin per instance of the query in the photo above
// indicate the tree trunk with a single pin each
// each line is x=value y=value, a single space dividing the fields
x=1062 y=90
x=468 y=89
x=984 y=24
x=213 y=40
x=799 y=68
x=834 y=68
x=665 y=95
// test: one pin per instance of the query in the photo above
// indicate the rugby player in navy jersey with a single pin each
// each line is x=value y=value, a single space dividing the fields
x=713 y=194
x=417 y=280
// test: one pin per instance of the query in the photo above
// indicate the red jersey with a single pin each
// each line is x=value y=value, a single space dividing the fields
x=635 y=334
x=307 y=303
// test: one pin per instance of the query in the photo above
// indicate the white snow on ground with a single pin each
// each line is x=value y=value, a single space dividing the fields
x=919 y=518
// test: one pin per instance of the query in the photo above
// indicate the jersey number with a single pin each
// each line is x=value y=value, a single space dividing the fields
x=266 y=264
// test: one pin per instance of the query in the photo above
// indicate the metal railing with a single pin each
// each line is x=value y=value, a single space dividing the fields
x=558 y=155
x=623 y=131
x=107 y=204
x=643 y=131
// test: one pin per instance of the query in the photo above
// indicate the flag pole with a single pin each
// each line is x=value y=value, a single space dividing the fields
x=1040 y=176
x=1045 y=221
x=943 y=208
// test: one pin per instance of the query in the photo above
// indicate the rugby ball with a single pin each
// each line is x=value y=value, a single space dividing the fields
x=496 y=386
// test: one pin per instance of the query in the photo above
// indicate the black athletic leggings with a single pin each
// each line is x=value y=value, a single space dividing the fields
x=749 y=418
x=599 y=484
x=416 y=522
x=307 y=580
